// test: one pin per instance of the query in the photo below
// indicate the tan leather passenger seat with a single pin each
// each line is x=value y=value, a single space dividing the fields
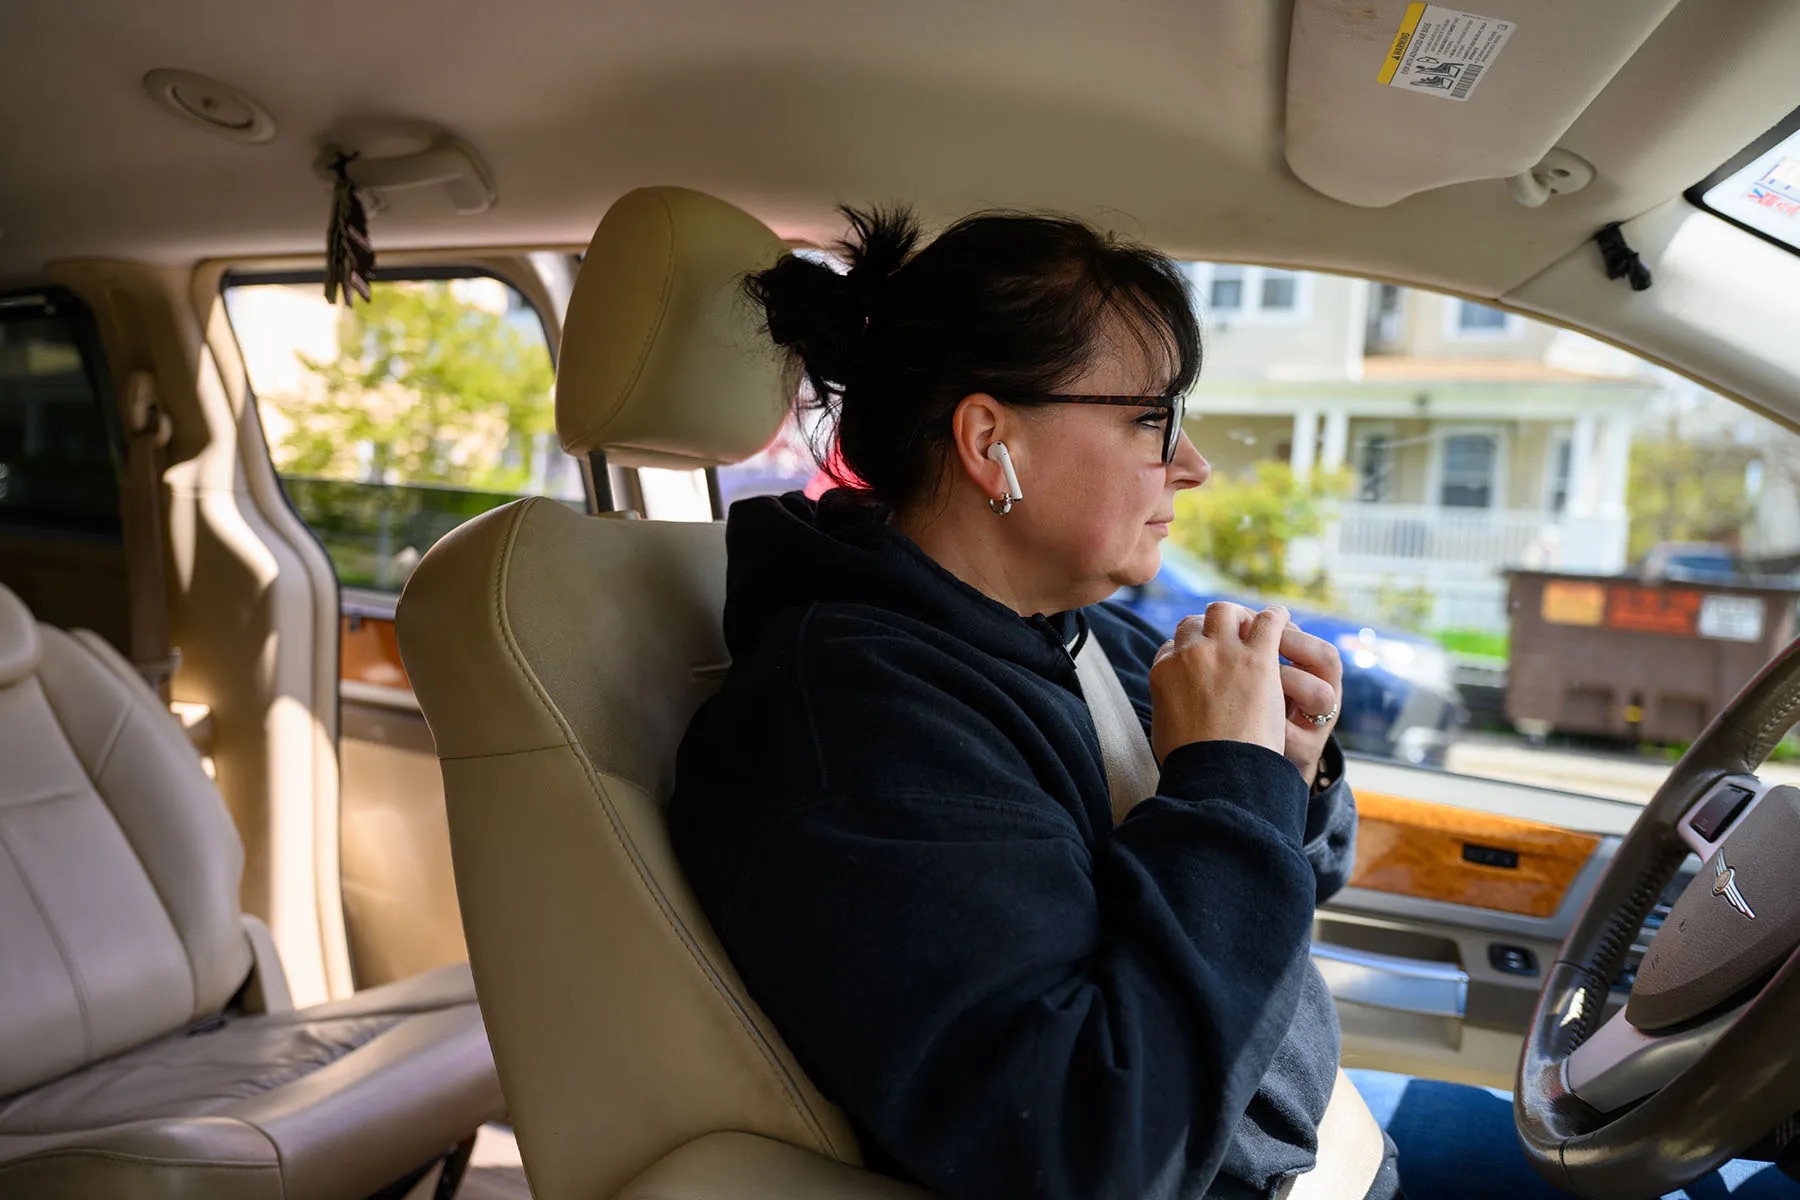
x=148 y=1046
x=558 y=658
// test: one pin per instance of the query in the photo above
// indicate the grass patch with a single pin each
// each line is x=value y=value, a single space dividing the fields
x=1472 y=641
x=1787 y=750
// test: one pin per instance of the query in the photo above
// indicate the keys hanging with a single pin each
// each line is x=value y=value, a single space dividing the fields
x=349 y=255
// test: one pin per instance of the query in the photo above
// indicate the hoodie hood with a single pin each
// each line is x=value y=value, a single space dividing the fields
x=788 y=552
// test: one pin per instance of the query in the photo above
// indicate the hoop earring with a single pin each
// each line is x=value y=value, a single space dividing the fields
x=1002 y=504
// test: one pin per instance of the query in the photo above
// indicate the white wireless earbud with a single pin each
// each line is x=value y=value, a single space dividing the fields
x=998 y=452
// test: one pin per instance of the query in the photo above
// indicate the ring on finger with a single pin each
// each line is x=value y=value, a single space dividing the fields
x=1322 y=719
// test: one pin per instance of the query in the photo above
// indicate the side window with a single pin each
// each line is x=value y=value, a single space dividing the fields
x=1513 y=533
x=393 y=422
x=61 y=455
x=787 y=464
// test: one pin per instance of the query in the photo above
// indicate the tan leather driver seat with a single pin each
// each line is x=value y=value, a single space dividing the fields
x=148 y=1046
x=558 y=658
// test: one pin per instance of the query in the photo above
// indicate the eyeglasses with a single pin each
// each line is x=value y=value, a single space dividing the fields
x=1175 y=406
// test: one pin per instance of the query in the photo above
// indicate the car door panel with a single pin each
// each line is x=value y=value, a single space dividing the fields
x=400 y=908
x=1462 y=893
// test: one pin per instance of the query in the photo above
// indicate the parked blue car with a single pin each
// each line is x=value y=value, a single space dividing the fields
x=1399 y=701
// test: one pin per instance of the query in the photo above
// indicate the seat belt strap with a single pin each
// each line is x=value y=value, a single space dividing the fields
x=1131 y=770
x=149 y=430
x=1351 y=1145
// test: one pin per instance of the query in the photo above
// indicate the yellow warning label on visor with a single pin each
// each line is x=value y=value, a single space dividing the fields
x=1443 y=52
x=1397 y=55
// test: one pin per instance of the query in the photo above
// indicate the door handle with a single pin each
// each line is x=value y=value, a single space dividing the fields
x=1408 y=985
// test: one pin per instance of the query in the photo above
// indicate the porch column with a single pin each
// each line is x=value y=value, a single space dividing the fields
x=1596 y=534
x=1583 y=481
x=1337 y=440
x=1614 y=466
x=1305 y=444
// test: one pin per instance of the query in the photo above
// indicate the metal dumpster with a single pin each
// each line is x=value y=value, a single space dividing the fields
x=1625 y=657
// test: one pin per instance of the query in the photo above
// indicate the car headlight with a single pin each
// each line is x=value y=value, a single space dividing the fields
x=1426 y=665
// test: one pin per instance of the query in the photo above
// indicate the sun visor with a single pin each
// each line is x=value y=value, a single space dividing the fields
x=1387 y=98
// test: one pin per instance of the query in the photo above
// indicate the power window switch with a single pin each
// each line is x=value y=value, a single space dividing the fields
x=1512 y=960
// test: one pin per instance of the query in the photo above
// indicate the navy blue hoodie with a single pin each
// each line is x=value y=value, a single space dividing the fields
x=896 y=816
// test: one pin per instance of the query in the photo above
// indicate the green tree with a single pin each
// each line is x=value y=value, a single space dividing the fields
x=435 y=387
x=1244 y=525
x=1687 y=490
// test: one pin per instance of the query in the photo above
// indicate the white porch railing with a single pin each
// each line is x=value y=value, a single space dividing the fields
x=1408 y=537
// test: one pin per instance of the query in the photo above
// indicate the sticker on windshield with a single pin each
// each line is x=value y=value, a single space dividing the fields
x=1442 y=52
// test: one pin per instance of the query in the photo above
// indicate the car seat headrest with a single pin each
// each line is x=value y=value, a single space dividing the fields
x=664 y=360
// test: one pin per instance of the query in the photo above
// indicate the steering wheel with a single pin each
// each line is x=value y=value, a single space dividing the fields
x=1702 y=1060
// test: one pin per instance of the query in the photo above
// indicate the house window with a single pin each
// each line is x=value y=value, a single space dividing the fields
x=1239 y=295
x=1280 y=291
x=1375 y=469
x=1227 y=291
x=1382 y=333
x=1478 y=320
x=1562 y=460
x=1469 y=468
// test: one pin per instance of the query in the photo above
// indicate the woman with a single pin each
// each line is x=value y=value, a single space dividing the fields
x=897 y=811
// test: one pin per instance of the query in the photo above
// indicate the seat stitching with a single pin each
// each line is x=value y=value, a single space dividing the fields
x=771 y=1061
x=130 y=710
x=503 y=753
x=112 y=741
x=81 y=1000
x=147 y=1160
x=62 y=794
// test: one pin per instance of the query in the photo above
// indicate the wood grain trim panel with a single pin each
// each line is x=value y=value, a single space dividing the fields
x=369 y=652
x=1415 y=848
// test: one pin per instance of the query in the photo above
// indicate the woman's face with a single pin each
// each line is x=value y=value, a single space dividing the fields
x=1098 y=497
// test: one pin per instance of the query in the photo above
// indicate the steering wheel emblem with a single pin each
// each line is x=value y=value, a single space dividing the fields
x=1725 y=884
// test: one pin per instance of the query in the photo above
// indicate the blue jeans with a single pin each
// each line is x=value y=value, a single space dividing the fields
x=1457 y=1143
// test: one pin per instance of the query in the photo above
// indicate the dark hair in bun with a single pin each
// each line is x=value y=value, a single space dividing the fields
x=1004 y=303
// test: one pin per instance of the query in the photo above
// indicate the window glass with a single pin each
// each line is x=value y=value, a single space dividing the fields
x=1560 y=462
x=392 y=422
x=1249 y=294
x=60 y=454
x=1383 y=330
x=1280 y=290
x=1372 y=478
x=1479 y=318
x=1468 y=471
x=787 y=464
x=1395 y=484
x=1227 y=292
x=1394 y=487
